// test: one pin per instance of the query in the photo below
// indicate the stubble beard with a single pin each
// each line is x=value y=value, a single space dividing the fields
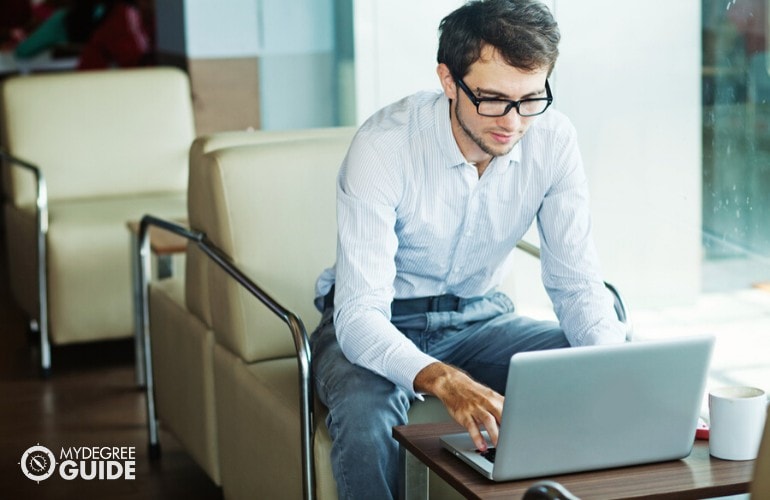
x=484 y=146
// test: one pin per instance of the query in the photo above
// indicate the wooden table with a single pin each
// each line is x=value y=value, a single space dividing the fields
x=697 y=476
x=163 y=244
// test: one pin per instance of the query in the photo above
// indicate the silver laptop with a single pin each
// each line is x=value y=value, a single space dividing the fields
x=595 y=407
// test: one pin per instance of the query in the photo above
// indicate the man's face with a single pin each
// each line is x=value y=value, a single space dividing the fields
x=480 y=137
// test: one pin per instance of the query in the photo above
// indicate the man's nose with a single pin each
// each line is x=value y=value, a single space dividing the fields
x=511 y=120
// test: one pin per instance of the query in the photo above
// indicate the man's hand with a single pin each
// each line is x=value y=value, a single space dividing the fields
x=470 y=403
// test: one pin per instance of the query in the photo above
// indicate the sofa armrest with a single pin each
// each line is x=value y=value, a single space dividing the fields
x=41 y=189
x=296 y=327
x=41 y=215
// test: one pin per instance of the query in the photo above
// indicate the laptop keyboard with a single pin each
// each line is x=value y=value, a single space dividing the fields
x=489 y=454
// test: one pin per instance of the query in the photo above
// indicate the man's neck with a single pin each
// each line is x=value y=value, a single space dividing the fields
x=481 y=166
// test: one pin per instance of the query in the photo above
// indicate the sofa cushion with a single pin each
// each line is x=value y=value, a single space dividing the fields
x=89 y=278
x=282 y=245
x=272 y=415
x=199 y=197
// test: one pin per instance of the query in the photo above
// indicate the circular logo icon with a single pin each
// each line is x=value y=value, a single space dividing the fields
x=38 y=463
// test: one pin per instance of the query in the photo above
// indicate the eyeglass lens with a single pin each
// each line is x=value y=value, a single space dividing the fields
x=527 y=107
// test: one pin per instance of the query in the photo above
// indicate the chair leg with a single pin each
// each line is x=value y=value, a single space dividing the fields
x=38 y=336
x=143 y=344
x=136 y=282
x=153 y=439
x=41 y=204
x=42 y=325
x=45 y=354
x=42 y=281
x=33 y=331
x=153 y=451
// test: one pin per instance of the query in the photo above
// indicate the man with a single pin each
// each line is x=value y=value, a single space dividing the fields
x=432 y=197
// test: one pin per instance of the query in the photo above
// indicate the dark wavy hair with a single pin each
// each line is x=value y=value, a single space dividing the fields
x=523 y=31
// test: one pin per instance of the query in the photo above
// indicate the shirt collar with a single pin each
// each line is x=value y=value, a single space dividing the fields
x=446 y=139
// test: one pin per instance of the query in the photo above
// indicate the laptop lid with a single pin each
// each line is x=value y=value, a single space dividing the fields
x=596 y=407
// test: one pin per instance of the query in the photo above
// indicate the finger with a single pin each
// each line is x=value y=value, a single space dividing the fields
x=497 y=407
x=490 y=424
x=478 y=439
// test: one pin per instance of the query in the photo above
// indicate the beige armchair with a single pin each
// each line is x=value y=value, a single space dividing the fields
x=255 y=227
x=179 y=321
x=83 y=154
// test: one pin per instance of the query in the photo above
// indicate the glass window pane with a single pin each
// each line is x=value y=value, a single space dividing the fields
x=736 y=138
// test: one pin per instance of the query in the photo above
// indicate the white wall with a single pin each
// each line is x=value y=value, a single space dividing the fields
x=395 y=43
x=217 y=29
x=629 y=77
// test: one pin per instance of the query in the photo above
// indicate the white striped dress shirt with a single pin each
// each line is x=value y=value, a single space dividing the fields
x=415 y=220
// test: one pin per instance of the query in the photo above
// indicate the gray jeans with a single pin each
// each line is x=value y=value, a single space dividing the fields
x=479 y=337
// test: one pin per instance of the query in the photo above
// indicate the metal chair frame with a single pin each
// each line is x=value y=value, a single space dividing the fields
x=294 y=323
x=39 y=324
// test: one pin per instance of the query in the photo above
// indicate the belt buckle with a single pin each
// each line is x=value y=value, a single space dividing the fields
x=443 y=303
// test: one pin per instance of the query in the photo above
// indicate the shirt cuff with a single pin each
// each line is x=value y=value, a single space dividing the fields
x=597 y=336
x=406 y=369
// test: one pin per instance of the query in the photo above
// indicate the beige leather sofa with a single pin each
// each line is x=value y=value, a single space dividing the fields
x=180 y=315
x=91 y=151
x=268 y=209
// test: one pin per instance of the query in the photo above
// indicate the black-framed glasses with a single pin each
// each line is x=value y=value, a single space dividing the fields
x=491 y=106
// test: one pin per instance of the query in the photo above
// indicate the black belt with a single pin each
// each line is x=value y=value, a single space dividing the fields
x=419 y=305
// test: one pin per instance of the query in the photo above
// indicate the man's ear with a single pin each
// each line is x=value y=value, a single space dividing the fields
x=447 y=81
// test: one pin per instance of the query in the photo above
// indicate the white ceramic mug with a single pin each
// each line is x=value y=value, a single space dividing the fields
x=737 y=420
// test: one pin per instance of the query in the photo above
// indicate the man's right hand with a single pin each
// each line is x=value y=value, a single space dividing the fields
x=471 y=404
